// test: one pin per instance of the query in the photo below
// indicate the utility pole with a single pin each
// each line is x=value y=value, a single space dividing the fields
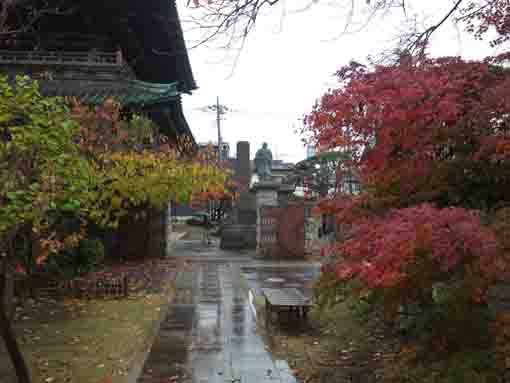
x=218 y=125
x=220 y=110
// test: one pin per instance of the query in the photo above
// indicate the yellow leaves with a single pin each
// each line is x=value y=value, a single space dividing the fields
x=116 y=202
x=133 y=179
x=5 y=116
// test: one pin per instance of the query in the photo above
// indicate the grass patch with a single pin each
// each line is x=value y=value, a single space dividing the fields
x=86 y=341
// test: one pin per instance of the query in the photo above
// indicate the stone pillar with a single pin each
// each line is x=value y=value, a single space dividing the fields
x=243 y=167
x=245 y=204
x=239 y=231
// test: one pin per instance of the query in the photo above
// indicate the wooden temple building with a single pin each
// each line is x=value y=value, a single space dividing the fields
x=131 y=50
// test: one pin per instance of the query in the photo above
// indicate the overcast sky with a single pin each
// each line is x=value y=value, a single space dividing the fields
x=285 y=66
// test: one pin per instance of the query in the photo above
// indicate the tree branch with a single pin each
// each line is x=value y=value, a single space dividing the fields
x=234 y=20
x=421 y=41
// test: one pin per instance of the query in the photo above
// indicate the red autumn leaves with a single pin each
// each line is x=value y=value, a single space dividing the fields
x=384 y=250
x=417 y=114
x=430 y=142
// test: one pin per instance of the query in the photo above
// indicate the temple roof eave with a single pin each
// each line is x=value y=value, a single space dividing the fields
x=130 y=93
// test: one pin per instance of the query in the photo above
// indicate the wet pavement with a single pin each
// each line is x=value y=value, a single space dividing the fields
x=210 y=333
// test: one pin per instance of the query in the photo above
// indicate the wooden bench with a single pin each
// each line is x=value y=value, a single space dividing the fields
x=288 y=300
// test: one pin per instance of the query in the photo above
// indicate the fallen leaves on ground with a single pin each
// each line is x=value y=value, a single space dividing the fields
x=78 y=340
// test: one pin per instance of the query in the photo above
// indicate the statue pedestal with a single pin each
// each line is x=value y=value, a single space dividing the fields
x=266 y=193
x=266 y=198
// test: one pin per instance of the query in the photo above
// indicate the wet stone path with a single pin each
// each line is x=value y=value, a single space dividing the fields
x=210 y=333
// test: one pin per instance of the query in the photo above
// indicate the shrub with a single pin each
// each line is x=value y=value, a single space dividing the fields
x=83 y=259
x=89 y=256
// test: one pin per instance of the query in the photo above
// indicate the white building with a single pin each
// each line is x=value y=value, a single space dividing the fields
x=225 y=148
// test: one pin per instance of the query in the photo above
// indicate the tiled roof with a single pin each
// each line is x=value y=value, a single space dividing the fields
x=130 y=93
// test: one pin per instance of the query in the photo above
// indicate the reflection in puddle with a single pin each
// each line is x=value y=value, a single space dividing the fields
x=207 y=317
x=251 y=302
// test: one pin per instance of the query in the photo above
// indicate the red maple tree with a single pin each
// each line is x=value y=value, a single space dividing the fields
x=413 y=127
x=430 y=140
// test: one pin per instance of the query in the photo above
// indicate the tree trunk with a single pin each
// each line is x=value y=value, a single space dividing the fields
x=6 y=331
x=7 y=291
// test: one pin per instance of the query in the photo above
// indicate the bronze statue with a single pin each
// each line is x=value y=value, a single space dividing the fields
x=263 y=161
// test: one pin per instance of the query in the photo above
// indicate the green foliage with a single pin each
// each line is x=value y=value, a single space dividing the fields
x=325 y=173
x=75 y=261
x=463 y=348
x=474 y=366
x=89 y=255
x=328 y=290
x=84 y=165
x=140 y=130
x=42 y=175
x=55 y=166
x=332 y=295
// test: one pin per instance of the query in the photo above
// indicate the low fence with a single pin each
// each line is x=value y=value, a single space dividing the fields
x=106 y=287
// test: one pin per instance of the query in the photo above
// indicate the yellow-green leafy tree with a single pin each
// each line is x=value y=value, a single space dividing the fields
x=58 y=163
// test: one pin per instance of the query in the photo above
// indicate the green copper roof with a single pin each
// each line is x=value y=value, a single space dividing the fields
x=130 y=93
x=162 y=102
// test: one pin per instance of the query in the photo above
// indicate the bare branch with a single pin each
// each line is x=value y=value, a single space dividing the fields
x=234 y=20
x=305 y=8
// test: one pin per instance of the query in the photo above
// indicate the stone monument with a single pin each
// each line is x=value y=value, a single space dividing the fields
x=239 y=229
